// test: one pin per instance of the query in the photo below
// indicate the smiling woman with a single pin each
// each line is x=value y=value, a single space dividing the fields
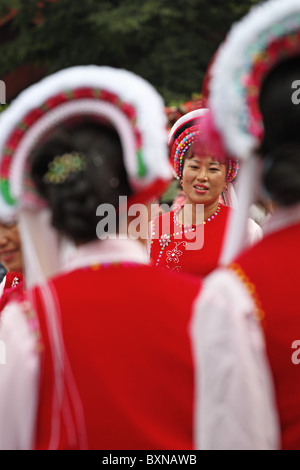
x=190 y=236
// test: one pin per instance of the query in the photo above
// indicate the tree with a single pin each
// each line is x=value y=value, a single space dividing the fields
x=168 y=42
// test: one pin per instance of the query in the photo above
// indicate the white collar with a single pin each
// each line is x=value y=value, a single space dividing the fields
x=103 y=251
x=282 y=218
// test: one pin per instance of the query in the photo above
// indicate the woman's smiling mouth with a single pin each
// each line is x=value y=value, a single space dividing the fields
x=7 y=256
x=200 y=189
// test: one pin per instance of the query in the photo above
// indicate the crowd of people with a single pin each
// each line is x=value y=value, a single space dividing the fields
x=125 y=329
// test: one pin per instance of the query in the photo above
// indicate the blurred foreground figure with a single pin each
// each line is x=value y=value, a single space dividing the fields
x=93 y=360
x=250 y=309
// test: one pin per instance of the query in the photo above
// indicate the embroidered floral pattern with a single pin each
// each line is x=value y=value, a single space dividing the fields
x=172 y=256
x=15 y=281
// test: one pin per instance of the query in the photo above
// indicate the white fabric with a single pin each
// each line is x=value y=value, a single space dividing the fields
x=40 y=246
x=259 y=213
x=19 y=378
x=254 y=232
x=8 y=213
x=196 y=113
x=2 y=285
x=235 y=405
x=105 y=251
x=247 y=190
x=230 y=198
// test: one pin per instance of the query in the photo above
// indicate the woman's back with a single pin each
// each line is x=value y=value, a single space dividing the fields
x=134 y=375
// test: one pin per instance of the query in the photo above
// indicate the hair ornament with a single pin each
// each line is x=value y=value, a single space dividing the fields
x=232 y=170
x=61 y=167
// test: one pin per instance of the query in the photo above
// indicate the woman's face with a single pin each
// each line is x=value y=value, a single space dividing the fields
x=10 y=248
x=203 y=179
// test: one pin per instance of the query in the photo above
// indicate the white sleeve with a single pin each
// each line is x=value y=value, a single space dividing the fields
x=19 y=380
x=254 y=232
x=235 y=401
x=2 y=284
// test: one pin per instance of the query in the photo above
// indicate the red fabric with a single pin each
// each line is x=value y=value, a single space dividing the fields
x=273 y=267
x=12 y=278
x=13 y=288
x=197 y=262
x=126 y=335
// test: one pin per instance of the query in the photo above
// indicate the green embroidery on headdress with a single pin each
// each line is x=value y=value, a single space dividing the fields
x=96 y=92
x=5 y=190
x=23 y=126
x=69 y=94
x=142 y=171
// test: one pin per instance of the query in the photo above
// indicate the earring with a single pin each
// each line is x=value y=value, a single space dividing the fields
x=225 y=187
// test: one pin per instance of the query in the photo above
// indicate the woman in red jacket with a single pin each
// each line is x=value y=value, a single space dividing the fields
x=190 y=237
x=95 y=362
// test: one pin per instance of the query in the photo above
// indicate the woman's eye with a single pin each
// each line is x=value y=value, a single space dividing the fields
x=194 y=167
x=214 y=169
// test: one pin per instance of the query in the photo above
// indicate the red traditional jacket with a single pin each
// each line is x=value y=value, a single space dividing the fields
x=174 y=248
x=128 y=354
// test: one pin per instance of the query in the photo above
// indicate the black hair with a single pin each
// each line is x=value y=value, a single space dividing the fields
x=74 y=202
x=280 y=148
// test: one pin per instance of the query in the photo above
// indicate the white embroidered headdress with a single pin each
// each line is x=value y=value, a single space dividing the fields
x=267 y=35
x=131 y=105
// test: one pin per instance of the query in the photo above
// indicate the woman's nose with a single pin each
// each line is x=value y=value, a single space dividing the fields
x=3 y=238
x=202 y=174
